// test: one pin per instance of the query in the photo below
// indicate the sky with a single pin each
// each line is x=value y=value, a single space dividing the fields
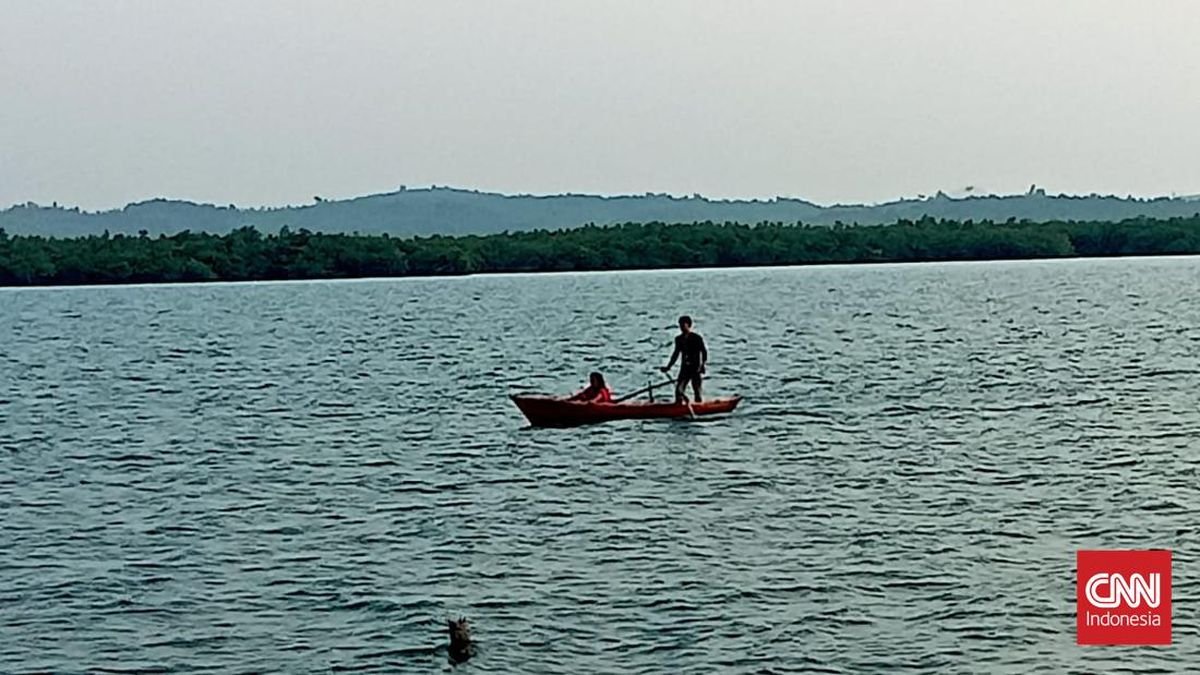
x=275 y=102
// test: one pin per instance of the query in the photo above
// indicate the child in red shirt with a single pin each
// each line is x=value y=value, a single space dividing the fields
x=596 y=392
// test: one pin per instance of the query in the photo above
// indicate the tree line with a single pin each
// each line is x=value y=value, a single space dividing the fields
x=248 y=254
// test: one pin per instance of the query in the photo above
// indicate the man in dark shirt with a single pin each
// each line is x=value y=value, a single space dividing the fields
x=691 y=347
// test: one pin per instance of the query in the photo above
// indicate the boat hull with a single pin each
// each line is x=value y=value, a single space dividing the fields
x=550 y=411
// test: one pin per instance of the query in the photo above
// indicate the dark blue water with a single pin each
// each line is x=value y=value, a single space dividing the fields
x=312 y=477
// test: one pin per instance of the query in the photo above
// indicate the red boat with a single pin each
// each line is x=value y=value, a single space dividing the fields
x=551 y=411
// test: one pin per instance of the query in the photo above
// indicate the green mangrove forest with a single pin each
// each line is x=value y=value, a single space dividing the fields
x=248 y=254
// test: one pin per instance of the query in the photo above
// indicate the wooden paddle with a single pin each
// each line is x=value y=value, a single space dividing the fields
x=639 y=392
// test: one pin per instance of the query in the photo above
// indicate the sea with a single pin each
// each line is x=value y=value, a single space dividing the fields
x=314 y=476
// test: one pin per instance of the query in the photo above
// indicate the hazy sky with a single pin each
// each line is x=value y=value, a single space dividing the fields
x=271 y=102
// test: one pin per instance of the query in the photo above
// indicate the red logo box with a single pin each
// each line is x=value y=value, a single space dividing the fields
x=1123 y=597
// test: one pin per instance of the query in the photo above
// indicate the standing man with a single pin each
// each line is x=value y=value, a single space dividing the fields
x=691 y=347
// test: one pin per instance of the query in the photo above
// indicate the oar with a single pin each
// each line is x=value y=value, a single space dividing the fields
x=639 y=392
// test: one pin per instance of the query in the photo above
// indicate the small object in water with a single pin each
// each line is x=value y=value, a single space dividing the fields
x=461 y=647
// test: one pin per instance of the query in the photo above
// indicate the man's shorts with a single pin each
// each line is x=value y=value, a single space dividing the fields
x=687 y=375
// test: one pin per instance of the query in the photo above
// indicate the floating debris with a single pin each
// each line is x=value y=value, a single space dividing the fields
x=461 y=647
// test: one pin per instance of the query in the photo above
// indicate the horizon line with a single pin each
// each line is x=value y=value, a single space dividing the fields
x=961 y=194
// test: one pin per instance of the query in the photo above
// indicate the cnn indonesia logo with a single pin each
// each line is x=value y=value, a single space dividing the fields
x=1123 y=597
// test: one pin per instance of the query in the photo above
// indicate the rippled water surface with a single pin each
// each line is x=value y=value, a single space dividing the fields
x=311 y=477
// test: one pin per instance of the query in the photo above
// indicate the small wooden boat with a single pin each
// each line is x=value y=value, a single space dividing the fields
x=552 y=411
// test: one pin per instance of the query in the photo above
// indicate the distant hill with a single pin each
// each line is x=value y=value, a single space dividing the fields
x=442 y=210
